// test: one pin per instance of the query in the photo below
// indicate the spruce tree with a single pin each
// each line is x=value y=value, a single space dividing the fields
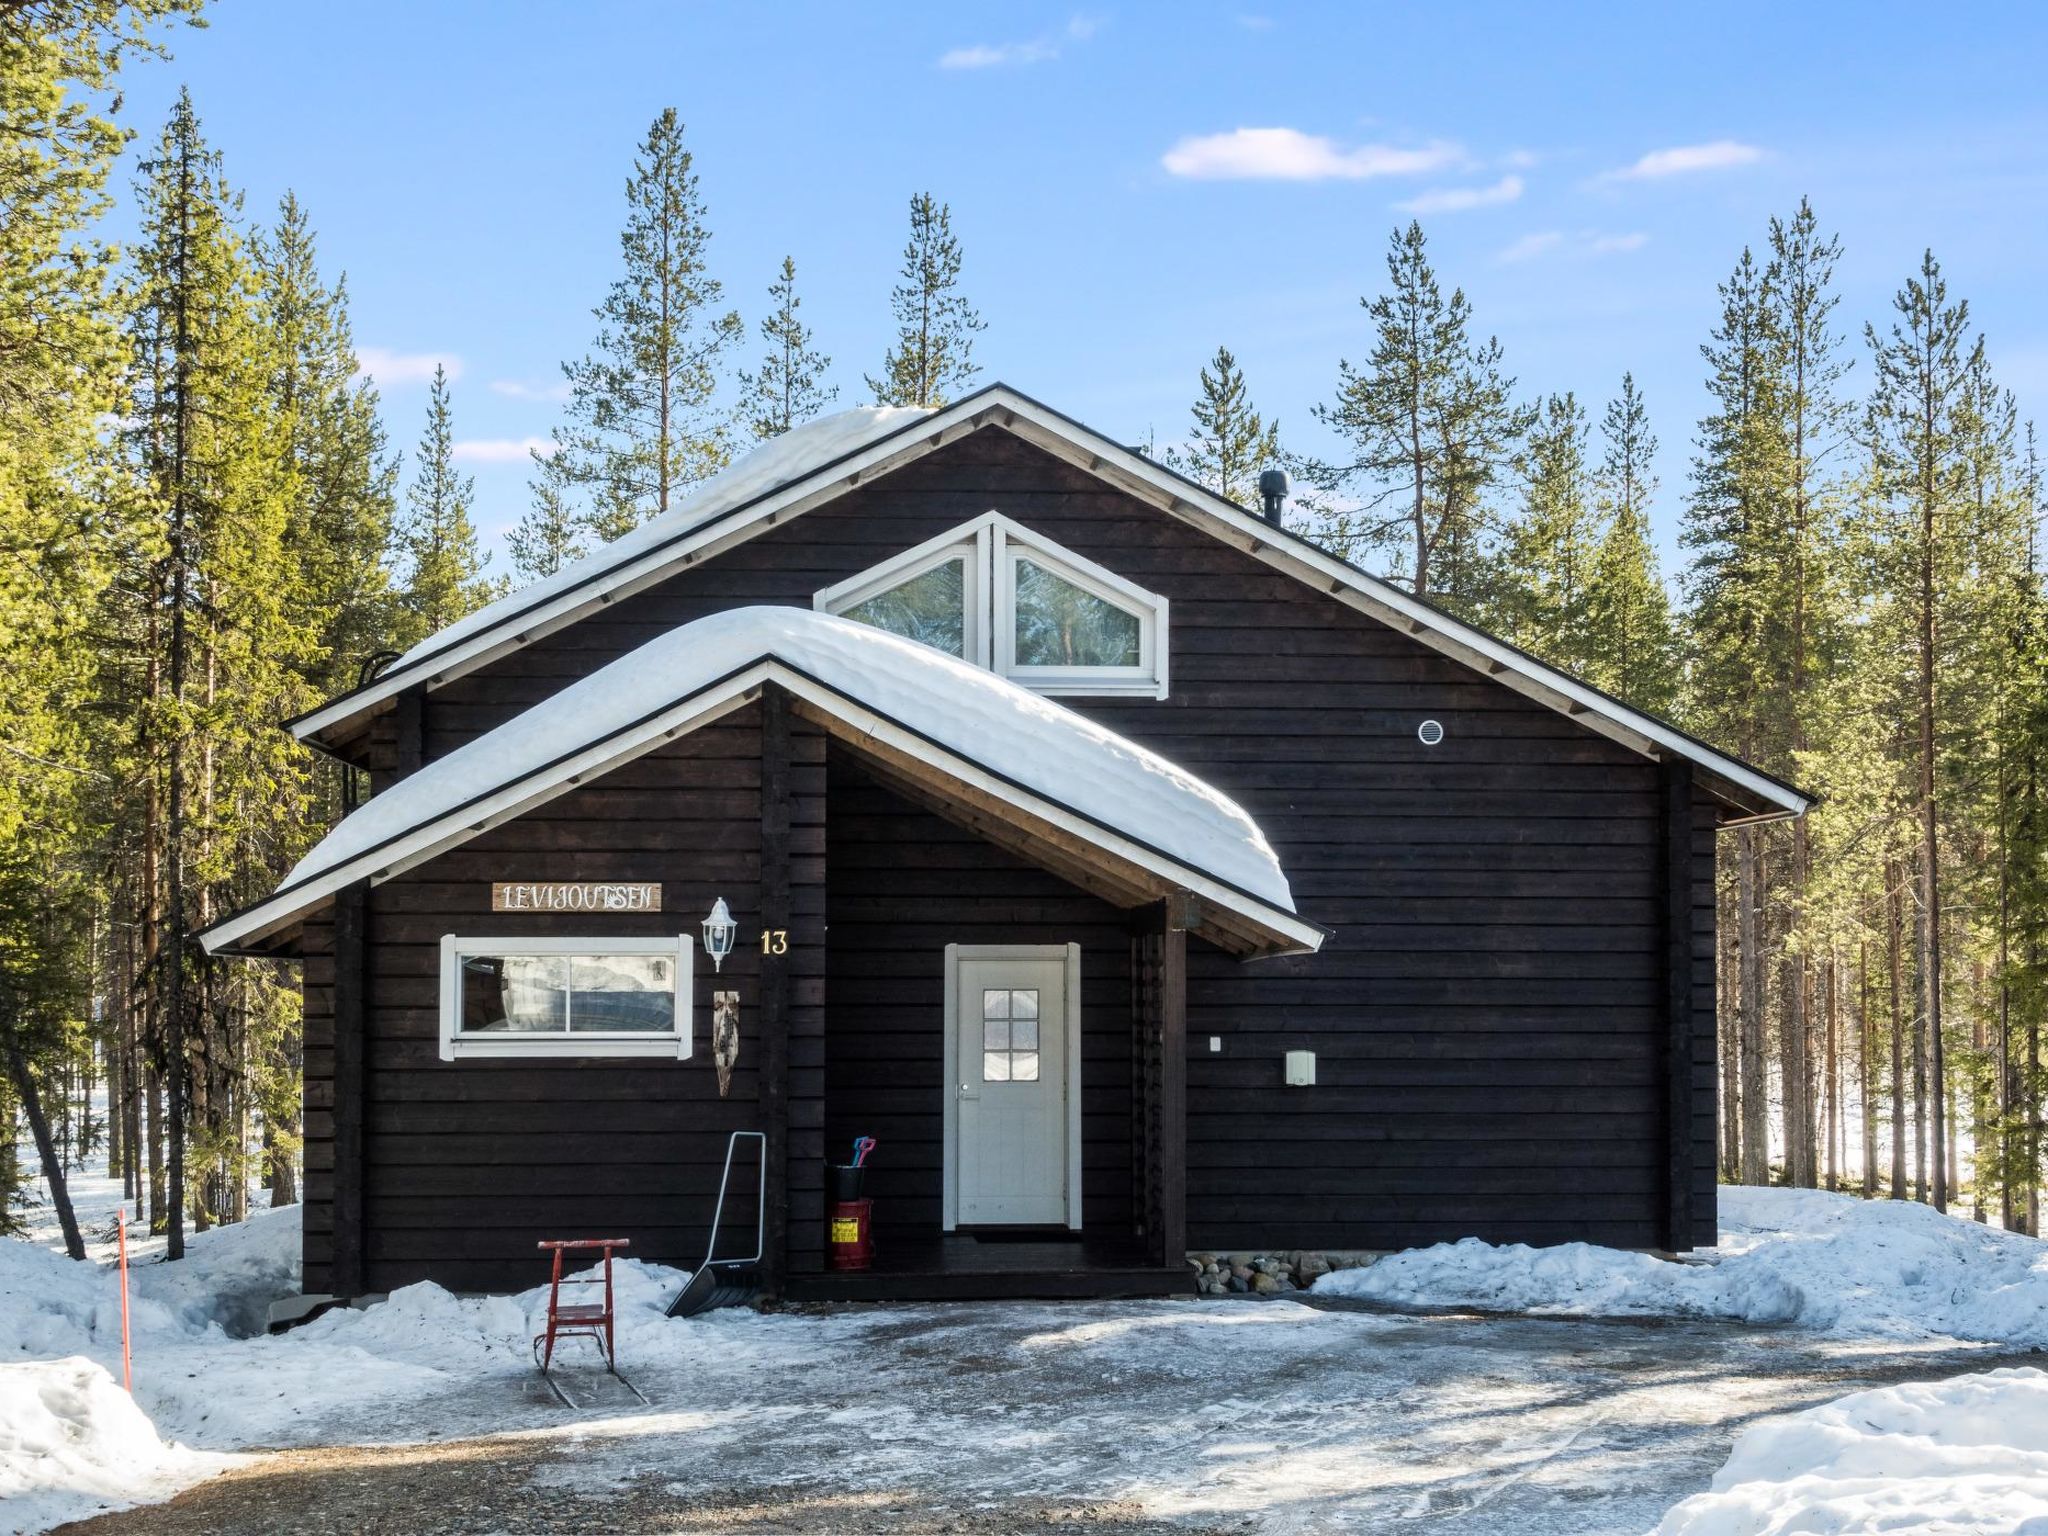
x=1631 y=642
x=642 y=425
x=1232 y=443
x=548 y=536
x=1729 y=528
x=341 y=524
x=933 y=358
x=1432 y=424
x=788 y=388
x=223 y=644
x=1539 y=597
x=444 y=572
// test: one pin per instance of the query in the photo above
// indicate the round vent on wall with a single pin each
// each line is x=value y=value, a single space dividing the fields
x=1430 y=732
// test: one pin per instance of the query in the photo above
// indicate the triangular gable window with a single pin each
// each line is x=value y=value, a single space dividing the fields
x=997 y=594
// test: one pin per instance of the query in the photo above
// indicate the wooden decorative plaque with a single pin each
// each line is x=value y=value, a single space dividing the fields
x=575 y=896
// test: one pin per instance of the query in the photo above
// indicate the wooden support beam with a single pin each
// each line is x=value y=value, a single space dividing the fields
x=1173 y=1092
x=347 y=1269
x=775 y=853
x=1676 y=776
x=409 y=749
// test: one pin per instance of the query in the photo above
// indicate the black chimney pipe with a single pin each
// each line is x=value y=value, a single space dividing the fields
x=1273 y=493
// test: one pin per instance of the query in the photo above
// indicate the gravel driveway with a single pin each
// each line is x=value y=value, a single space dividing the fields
x=1120 y=1417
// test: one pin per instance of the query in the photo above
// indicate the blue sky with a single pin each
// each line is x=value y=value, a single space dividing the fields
x=1133 y=184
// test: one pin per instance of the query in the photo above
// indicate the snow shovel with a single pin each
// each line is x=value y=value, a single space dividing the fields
x=728 y=1282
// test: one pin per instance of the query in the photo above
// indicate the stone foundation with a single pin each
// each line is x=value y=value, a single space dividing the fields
x=1269 y=1274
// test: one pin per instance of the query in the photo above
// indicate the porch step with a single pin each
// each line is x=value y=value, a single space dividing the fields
x=1104 y=1284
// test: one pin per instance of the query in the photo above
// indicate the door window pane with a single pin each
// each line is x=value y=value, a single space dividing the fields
x=1009 y=1035
x=1060 y=625
x=930 y=608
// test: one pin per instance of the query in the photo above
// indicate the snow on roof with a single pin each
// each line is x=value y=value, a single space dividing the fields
x=1041 y=746
x=774 y=463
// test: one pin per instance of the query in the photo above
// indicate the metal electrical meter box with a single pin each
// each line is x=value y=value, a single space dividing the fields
x=1301 y=1069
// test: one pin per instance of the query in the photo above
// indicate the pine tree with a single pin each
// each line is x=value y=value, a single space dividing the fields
x=933 y=358
x=642 y=427
x=1432 y=423
x=788 y=388
x=1631 y=642
x=1539 y=597
x=1923 y=366
x=444 y=576
x=548 y=536
x=1231 y=444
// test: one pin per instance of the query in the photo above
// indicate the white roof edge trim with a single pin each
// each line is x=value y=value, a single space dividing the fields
x=1286 y=553
x=911 y=440
x=513 y=799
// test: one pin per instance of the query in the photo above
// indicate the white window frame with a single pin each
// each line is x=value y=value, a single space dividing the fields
x=456 y=1046
x=991 y=545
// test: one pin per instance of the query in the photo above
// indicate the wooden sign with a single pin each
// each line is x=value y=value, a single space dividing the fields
x=575 y=896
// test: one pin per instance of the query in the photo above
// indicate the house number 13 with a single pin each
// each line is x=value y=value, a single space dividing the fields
x=774 y=941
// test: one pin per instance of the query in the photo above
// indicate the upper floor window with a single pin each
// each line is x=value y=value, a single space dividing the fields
x=1005 y=598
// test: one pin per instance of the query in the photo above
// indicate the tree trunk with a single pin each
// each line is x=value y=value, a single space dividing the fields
x=1866 y=1068
x=1831 y=1068
x=46 y=1145
x=1920 y=1112
x=1756 y=1131
x=1895 y=922
x=1730 y=1023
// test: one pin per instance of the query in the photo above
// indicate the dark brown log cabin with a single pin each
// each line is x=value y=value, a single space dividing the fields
x=1492 y=931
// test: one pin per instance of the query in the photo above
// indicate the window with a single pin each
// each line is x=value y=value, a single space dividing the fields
x=1009 y=1035
x=565 y=997
x=995 y=594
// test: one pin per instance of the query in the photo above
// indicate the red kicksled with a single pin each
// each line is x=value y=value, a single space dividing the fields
x=597 y=1321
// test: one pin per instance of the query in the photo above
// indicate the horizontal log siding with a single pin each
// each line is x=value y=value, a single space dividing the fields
x=1488 y=1013
x=1706 y=1098
x=469 y=1163
x=901 y=885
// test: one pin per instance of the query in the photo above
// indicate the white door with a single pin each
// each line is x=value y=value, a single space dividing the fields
x=1013 y=1132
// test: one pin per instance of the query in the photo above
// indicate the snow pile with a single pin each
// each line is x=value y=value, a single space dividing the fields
x=72 y=1444
x=1967 y=1454
x=773 y=465
x=1049 y=749
x=1875 y=1269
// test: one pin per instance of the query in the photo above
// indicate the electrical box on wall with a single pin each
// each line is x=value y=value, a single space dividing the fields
x=1301 y=1069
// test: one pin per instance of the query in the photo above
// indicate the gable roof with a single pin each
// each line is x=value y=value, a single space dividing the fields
x=830 y=456
x=1071 y=793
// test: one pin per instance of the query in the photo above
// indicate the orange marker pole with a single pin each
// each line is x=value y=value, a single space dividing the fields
x=127 y=1368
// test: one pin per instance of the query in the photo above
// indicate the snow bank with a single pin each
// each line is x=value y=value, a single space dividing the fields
x=1875 y=1269
x=773 y=465
x=72 y=1444
x=1048 y=748
x=1967 y=1454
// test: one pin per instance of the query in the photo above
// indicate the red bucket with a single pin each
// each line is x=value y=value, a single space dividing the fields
x=849 y=1234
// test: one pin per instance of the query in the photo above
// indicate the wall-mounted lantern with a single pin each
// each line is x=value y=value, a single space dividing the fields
x=719 y=929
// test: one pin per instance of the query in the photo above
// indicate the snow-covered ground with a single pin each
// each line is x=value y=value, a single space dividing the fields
x=1277 y=1416
x=1832 y=1263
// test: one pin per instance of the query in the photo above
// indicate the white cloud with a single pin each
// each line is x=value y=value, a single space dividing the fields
x=1036 y=50
x=1533 y=245
x=1584 y=243
x=1287 y=154
x=1683 y=159
x=519 y=389
x=1458 y=199
x=499 y=450
x=392 y=369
